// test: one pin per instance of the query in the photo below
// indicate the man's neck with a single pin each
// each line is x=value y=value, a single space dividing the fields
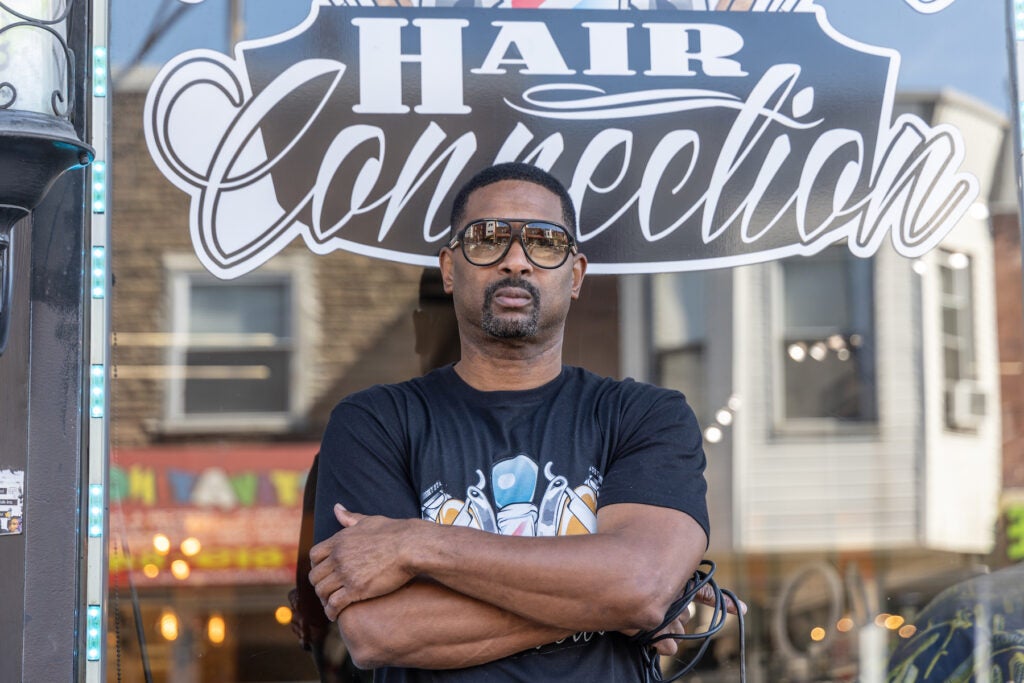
x=503 y=366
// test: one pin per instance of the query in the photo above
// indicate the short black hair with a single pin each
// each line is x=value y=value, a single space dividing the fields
x=514 y=170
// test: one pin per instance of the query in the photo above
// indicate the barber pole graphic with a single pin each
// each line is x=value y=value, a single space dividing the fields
x=562 y=510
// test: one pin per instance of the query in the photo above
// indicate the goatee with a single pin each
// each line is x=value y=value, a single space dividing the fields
x=518 y=327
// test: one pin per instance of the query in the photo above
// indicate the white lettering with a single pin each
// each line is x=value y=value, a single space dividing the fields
x=609 y=53
x=213 y=489
x=538 y=51
x=910 y=190
x=381 y=59
x=544 y=155
x=675 y=46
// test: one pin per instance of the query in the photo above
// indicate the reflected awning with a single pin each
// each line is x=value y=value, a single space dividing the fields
x=211 y=514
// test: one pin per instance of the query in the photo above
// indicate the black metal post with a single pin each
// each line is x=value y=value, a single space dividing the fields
x=42 y=425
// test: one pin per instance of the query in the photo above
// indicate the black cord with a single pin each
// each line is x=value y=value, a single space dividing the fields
x=648 y=639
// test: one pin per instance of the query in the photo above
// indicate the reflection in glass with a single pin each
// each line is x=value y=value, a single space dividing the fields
x=235 y=345
x=680 y=331
x=827 y=303
x=965 y=401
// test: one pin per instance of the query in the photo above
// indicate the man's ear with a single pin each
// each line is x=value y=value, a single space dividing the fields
x=446 y=263
x=579 y=269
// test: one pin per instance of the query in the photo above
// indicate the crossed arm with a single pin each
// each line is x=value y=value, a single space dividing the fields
x=389 y=582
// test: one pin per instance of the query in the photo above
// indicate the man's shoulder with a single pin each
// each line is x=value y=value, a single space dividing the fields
x=610 y=386
x=381 y=396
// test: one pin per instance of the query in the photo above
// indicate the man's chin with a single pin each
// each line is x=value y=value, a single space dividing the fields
x=510 y=327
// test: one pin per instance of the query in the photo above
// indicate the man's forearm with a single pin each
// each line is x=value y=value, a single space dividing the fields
x=428 y=626
x=623 y=577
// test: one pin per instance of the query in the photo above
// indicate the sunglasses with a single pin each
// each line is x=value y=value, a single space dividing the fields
x=486 y=241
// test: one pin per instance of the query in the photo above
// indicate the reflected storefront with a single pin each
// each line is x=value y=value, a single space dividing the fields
x=816 y=239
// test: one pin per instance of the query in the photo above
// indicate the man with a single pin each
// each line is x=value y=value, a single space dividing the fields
x=592 y=489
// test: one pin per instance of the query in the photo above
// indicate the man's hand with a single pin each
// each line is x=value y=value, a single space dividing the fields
x=669 y=646
x=362 y=561
x=705 y=596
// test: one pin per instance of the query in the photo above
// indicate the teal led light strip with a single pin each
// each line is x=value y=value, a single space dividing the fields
x=99 y=186
x=97 y=391
x=99 y=72
x=93 y=631
x=94 y=643
x=95 y=510
x=99 y=272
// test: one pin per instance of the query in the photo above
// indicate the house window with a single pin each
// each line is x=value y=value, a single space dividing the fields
x=827 y=340
x=680 y=329
x=964 y=402
x=232 y=351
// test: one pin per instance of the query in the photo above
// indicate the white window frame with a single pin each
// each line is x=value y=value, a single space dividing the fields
x=784 y=426
x=967 y=354
x=181 y=272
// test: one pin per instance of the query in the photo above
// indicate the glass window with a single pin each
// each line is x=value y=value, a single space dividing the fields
x=853 y=471
x=679 y=323
x=827 y=333
x=232 y=347
x=964 y=401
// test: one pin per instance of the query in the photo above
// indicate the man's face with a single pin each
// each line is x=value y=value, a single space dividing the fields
x=512 y=299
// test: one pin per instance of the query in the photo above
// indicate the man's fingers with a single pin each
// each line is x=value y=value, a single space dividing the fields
x=326 y=587
x=666 y=647
x=320 y=552
x=320 y=570
x=706 y=596
x=338 y=601
x=732 y=608
x=346 y=518
x=669 y=646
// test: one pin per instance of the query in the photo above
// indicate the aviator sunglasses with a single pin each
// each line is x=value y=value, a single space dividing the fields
x=486 y=241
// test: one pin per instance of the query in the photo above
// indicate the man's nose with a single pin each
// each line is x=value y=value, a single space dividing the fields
x=515 y=260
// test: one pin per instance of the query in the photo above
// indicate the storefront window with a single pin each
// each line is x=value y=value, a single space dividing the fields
x=856 y=385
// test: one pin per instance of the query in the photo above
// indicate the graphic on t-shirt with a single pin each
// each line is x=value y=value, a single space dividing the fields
x=511 y=510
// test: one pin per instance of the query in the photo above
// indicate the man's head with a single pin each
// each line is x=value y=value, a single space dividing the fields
x=513 y=170
x=507 y=294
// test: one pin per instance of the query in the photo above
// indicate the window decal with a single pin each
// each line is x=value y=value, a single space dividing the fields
x=689 y=140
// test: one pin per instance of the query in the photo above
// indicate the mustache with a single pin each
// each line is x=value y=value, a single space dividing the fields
x=516 y=282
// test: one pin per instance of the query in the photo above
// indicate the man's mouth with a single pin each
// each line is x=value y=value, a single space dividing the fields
x=512 y=297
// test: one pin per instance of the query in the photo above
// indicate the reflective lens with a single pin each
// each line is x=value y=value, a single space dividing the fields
x=485 y=242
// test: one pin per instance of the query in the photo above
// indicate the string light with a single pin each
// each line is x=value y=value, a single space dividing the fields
x=893 y=622
x=169 y=625
x=191 y=546
x=161 y=544
x=713 y=434
x=907 y=630
x=180 y=570
x=283 y=615
x=216 y=629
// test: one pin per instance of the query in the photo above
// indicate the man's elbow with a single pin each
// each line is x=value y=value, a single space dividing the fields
x=366 y=644
x=645 y=605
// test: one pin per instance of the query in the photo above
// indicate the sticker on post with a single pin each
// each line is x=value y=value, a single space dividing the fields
x=12 y=501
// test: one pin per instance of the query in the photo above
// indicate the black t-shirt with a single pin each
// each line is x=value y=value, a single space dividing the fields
x=536 y=462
